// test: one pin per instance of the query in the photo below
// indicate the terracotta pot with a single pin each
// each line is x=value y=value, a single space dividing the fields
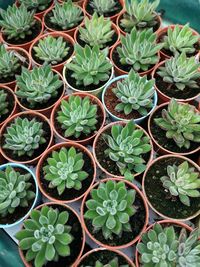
x=120 y=17
x=26 y=264
x=121 y=254
x=24 y=54
x=27 y=45
x=9 y=121
x=78 y=2
x=158 y=148
x=14 y=109
x=119 y=72
x=144 y=192
x=96 y=141
x=47 y=153
x=45 y=111
x=130 y=185
x=163 y=31
x=82 y=95
x=170 y=222
x=66 y=37
x=113 y=18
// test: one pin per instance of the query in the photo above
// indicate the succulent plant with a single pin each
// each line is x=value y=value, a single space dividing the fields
x=4 y=103
x=66 y=15
x=45 y=236
x=15 y=190
x=64 y=170
x=36 y=4
x=139 y=49
x=102 y=7
x=77 y=116
x=158 y=247
x=9 y=63
x=181 y=123
x=182 y=181
x=139 y=14
x=38 y=86
x=181 y=71
x=51 y=50
x=126 y=145
x=110 y=208
x=180 y=40
x=90 y=65
x=24 y=136
x=96 y=31
x=134 y=93
x=16 y=22
x=112 y=263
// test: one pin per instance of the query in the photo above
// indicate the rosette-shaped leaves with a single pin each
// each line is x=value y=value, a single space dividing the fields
x=103 y=6
x=112 y=263
x=4 y=103
x=36 y=4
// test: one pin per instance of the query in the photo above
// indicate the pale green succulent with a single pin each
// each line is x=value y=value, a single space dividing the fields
x=39 y=5
x=139 y=14
x=102 y=7
x=112 y=263
x=51 y=50
x=110 y=208
x=15 y=190
x=181 y=71
x=134 y=93
x=64 y=170
x=139 y=49
x=182 y=181
x=181 y=123
x=96 y=31
x=4 y=103
x=38 y=86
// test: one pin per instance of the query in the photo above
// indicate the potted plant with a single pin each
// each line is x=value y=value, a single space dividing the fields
x=78 y=2
x=25 y=136
x=176 y=181
x=103 y=257
x=19 y=32
x=8 y=104
x=53 y=48
x=89 y=70
x=97 y=31
x=109 y=9
x=174 y=128
x=137 y=50
x=139 y=14
x=39 y=89
x=19 y=194
x=178 y=38
x=65 y=172
x=122 y=149
x=129 y=97
x=11 y=61
x=114 y=213
x=63 y=17
x=78 y=117
x=178 y=77
x=57 y=237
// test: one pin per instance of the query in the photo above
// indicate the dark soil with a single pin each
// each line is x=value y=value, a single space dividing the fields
x=170 y=206
x=118 y=6
x=160 y=136
x=19 y=211
x=136 y=222
x=11 y=103
x=36 y=29
x=39 y=151
x=69 y=194
x=171 y=90
x=104 y=160
x=104 y=256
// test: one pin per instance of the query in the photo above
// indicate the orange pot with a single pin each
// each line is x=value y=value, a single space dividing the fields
x=58 y=67
x=87 y=140
x=26 y=264
x=45 y=111
x=130 y=185
x=171 y=222
x=100 y=132
x=2 y=131
x=78 y=2
x=47 y=153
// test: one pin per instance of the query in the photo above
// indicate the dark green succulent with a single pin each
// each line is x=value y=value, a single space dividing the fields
x=4 y=103
x=36 y=4
x=112 y=263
